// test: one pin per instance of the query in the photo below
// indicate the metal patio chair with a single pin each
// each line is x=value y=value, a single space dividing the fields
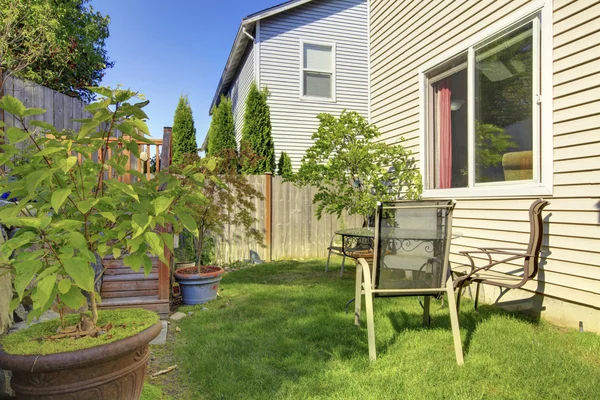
x=512 y=279
x=412 y=242
x=338 y=250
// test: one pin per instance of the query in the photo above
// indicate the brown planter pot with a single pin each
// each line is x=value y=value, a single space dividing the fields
x=113 y=371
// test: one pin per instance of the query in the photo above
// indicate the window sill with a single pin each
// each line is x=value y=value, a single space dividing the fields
x=516 y=190
x=311 y=99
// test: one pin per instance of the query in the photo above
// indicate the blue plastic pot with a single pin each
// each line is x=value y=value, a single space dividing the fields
x=198 y=288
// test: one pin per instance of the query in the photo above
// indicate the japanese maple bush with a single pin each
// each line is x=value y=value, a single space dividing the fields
x=71 y=208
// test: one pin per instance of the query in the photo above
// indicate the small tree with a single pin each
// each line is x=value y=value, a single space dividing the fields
x=284 y=166
x=257 y=130
x=352 y=171
x=221 y=134
x=229 y=200
x=184 y=133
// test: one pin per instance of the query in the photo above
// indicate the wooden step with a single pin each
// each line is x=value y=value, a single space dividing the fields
x=126 y=271
x=130 y=277
x=151 y=303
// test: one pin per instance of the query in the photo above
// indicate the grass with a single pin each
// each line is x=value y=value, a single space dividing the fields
x=279 y=331
x=31 y=340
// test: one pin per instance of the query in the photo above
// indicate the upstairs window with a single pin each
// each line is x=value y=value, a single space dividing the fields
x=318 y=77
x=482 y=125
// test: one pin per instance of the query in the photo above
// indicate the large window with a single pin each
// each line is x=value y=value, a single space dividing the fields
x=482 y=114
x=318 y=66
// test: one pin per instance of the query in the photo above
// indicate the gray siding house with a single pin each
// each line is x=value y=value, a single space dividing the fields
x=312 y=55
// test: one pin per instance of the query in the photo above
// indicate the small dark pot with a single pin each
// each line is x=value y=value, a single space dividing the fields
x=199 y=288
x=113 y=371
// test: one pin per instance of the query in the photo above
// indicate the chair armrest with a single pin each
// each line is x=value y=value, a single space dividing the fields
x=510 y=253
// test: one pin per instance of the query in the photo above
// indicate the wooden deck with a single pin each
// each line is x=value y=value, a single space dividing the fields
x=124 y=288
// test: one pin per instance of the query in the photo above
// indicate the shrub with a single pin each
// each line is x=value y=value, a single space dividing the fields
x=257 y=131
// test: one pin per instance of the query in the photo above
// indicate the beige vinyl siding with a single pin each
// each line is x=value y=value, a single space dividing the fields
x=239 y=89
x=406 y=35
x=339 y=22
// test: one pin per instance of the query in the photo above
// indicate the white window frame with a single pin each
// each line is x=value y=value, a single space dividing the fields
x=542 y=184
x=331 y=99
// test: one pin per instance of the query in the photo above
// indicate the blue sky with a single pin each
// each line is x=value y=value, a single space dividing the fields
x=166 y=49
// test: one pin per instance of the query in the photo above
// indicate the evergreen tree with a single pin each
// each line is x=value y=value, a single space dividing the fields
x=184 y=133
x=284 y=166
x=257 y=131
x=221 y=134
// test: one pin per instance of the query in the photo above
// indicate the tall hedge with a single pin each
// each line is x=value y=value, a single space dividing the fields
x=257 y=131
x=221 y=134
x=184 y=133
x=284 y=166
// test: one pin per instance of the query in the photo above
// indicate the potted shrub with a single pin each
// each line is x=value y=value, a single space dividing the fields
x=228 y=200
x=71 y=213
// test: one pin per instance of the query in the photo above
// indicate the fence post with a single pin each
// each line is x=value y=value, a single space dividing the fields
x=268 y=214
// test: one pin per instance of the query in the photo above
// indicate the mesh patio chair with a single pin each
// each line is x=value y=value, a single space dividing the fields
x=505 y=257
x=412 y=242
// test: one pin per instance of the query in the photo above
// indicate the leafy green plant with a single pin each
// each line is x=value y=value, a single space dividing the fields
x=71 y=211
x=284 y=166
x=59 y=44
x=184 y=133
x=257 y=131
x=221 y=133
x=352 y=171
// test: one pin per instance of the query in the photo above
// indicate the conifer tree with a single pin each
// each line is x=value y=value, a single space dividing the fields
x=184 y=133
x=284 y=166
x=257 y=131
x=221 y=134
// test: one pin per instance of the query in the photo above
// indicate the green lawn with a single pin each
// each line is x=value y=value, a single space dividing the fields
x=279 y=331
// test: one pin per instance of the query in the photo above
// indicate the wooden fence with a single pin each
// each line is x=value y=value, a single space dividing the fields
x=287 y=219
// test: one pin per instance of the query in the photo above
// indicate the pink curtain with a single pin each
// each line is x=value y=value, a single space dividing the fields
x=445 y=134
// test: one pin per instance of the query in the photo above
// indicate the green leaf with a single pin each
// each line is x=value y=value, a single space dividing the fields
x=133 y=261
x=106 y=92
x=43 y=125
x=147 y=264
x=16 y=135
x=156 y=245
x=139 y=223
x=2 y=124
x=46 y=272
x=86 y=205
x=59 y=197
x=36 y=178
x=161 y=204
x=108 y=215
x=125 y=188
x=12 y=105
x=47 y=151
x=81 y=272
x=140 y=125
x=14 y=303
x=73 y=298
x=116 y=253
x=68 y=224
x=33 y=111
x=24 y=274
x=45 y=287
x=97 y=105
x=188 y=222
x=64 y=286
x=77 y=240
x=66 y=164
x=168 y=239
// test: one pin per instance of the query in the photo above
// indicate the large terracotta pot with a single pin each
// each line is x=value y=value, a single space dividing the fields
x=113 y=371
x=199 y=288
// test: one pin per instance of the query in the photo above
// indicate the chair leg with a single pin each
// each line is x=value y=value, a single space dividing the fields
x=358 y=294
x=343 y=262
x=327 y=264
x=366 y=274
x=426 y=303
x=454 y=322
x=459 y=296
x=477 y=295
